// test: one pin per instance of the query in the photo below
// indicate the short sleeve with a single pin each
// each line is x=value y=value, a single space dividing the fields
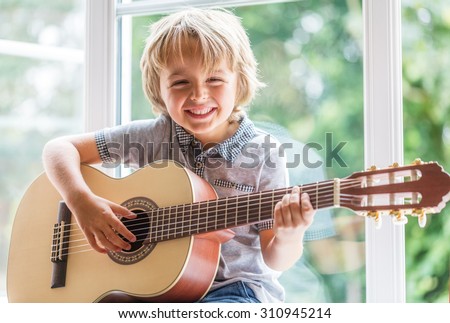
x=102 y=147
x=134 y=144
x=274 y=174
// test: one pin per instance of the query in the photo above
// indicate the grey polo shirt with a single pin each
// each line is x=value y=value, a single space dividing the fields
x=249 y=161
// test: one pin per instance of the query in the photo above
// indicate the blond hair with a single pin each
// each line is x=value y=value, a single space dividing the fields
x=219 y=36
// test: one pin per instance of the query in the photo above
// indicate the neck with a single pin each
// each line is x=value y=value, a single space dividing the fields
x=200 y=217
x=208 y=140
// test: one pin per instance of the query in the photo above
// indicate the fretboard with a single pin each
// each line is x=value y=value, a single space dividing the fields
x=188 y=219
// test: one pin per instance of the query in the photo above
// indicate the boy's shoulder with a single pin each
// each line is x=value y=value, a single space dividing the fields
x=156 y=124
x=264 y=138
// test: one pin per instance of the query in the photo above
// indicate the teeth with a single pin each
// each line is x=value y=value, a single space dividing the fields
x=202 y=111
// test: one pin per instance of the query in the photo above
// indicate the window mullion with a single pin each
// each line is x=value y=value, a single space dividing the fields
x=100 y=66
x=385 y=247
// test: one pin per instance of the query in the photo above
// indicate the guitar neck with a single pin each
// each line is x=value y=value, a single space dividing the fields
x=188 y=219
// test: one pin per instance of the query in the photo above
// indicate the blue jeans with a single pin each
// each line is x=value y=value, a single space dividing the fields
x=237 y=292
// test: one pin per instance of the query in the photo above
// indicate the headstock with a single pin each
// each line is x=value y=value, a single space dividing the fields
x=417 y=190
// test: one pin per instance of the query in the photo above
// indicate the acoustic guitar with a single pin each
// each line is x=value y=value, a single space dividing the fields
x=180 y=227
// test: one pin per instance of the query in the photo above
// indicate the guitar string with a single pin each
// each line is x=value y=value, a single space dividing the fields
x=187 y=218
x=70 y=250
x=200 y=218
x=201 y=221
x=145 y=234
x=199 y=214
x=235 y=201
x=198 y=221
x=163 y=227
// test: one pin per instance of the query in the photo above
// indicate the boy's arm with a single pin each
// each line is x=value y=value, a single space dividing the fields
x=97 y=217
x=282 y=245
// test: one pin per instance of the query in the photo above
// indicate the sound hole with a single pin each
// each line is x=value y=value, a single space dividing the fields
x=140 y=227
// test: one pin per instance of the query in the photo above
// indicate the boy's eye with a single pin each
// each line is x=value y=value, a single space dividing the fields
x=179 y=83
x=214 y=80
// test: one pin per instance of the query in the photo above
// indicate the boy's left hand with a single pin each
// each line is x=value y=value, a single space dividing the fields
x=292 y=216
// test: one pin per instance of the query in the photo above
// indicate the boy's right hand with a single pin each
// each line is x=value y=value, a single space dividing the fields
x=99 y=220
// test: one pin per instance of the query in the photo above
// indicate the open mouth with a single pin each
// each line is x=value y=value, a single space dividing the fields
x=201 y=113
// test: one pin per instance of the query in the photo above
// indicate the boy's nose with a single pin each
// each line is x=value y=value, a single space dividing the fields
x=199 y=93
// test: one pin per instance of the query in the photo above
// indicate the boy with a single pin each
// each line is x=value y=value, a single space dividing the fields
x=198 y=72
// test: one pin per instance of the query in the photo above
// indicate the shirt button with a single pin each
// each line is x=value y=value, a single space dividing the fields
x=199 y=164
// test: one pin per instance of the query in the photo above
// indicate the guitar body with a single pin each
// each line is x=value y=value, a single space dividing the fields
x=179 y=270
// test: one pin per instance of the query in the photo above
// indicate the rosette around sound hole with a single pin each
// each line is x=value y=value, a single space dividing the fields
x=140 y=227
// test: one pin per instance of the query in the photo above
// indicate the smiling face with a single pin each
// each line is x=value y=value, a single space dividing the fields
x=199 y=100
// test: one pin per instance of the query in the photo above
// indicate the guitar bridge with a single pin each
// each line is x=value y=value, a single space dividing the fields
x=60 y=245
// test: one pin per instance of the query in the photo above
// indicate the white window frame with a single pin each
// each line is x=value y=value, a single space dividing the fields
x=383 y=141
x=383 y=125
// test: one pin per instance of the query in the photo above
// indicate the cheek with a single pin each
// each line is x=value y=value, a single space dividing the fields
x=231 y=95
x=171 y=98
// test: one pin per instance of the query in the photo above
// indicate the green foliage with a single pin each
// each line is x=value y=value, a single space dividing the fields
x=426 y=61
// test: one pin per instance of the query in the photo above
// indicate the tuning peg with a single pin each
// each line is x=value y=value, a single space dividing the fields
x=375 y=215
x=398 y=217
x=372 y=168
x=417 y=161
x=421 y=217
x=422 y=220
x=394 y=165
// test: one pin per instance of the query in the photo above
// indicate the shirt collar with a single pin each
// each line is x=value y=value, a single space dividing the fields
x=230 y=148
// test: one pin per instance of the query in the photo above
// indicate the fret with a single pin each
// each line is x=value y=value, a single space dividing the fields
x=259 y=206
x=165 y=230
x=190 y=219
x=183 y=217
x=169 y=220
x=159 y=226
x=150 y=225
x=217 y=209
x=248 y=206
x=254 y=213
x=174 y=226
x=266 y=207
x=273 y=197
x=226 y=212
x=197 y=215
x=236 y=213
x=207 y=217
x=317 y=195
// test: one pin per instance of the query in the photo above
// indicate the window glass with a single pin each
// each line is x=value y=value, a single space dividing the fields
x=426 y=110
x=310 y=57
x=41 y=94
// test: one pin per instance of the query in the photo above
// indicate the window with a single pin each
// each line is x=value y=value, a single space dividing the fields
x=425 y=28
x=41 y=94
